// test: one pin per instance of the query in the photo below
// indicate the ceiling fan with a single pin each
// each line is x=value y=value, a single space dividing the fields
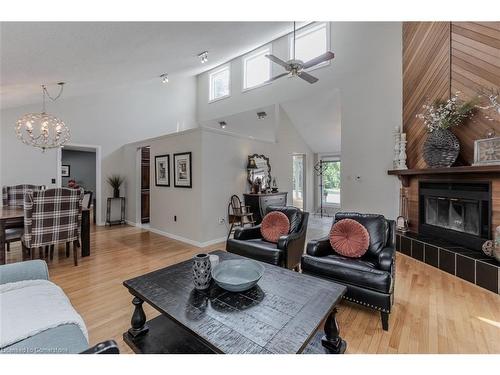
x=295 y=68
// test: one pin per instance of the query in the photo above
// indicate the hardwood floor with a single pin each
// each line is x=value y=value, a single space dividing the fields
x=434 y=312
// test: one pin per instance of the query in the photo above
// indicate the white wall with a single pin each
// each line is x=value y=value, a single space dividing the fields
x=219 y=171
x=110 y=119
x=367 y=70
x=224 y=170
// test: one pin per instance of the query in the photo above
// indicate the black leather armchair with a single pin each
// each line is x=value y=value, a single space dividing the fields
x=369 y=279
x=249 y=243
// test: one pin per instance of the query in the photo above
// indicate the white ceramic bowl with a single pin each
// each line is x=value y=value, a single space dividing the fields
x=237 y=275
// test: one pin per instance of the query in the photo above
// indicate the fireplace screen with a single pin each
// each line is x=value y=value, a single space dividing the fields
x=455 y=214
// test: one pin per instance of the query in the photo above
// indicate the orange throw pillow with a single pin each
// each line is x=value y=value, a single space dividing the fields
x=349 y=238
x=274 y=225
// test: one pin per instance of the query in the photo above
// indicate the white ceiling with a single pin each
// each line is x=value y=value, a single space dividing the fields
x=248 y=125
x=317 y=118
x=94 y=56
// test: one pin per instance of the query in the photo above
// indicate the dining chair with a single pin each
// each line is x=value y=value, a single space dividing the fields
x=87 y=199
x=51 y=217
x=13 y=196
x=238 y=214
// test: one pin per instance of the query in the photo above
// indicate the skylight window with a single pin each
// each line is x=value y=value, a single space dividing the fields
x=256 y=68
x=310 y=42
x=219 y=83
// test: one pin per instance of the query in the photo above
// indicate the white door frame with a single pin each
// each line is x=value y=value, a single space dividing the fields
x=304 y=178
x=98 y=163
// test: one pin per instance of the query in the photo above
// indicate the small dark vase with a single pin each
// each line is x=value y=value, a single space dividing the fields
x=441 y=149
x=116 y=193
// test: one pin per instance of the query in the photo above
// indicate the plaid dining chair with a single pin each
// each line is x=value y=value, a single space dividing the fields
x=13 y=196
x=51 y=217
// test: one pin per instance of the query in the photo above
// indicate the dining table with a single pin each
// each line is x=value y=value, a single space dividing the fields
x=16 y=213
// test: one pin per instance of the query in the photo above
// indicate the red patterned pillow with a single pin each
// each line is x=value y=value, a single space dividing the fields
x=349 y=238
x=274 y=225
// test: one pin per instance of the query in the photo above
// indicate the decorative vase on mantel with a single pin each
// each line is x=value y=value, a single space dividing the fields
x=441 y=148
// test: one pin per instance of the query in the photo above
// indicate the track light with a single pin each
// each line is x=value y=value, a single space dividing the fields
x=203 y=57
x=261 y=115
x=164 y=78
x=222 y=124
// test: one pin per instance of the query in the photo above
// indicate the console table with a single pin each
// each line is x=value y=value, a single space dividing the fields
x=111 y=218
x=259 y=202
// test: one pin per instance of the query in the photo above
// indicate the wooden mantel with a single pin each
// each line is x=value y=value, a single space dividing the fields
x=405 y=174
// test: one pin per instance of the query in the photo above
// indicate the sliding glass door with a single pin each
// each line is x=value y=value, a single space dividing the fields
x=331 y=182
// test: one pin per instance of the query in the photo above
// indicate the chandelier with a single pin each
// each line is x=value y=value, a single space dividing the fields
x=43 y=130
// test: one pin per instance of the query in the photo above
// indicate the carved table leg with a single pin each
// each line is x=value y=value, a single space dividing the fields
x=332 y=340
x=138 y=321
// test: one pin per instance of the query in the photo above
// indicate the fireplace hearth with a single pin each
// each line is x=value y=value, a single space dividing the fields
x=459 y=212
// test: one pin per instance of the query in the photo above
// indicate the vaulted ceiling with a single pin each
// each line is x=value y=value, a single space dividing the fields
x=94 y=56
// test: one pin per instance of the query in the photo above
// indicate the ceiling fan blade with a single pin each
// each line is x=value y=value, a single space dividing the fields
x=319 y=59
x=276 y=77
x=279 y=61
x=307 y=77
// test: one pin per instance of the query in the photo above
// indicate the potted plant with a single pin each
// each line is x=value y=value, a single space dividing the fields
x=115 y=181
x=442 y=147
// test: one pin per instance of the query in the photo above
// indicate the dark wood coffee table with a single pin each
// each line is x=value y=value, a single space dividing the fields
x=279 y=315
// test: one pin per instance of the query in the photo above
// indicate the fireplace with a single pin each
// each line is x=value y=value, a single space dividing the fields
x=458 y=212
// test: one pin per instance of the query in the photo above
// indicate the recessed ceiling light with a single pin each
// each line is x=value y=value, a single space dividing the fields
x=261 y=115
x=164 y=78
x=203 y=57
x=222 y=124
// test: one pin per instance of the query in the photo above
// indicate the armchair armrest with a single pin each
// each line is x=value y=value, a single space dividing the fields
x=105 y=347
x=29 y=270
x=285 y=241
x=319 y=248
x=248 y=233
x=386 y=258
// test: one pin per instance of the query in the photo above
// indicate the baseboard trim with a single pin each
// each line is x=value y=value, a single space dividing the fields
x=177 y=237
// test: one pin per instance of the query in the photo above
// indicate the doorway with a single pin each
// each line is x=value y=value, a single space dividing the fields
x=80 y=165
x=145 y=193
x=299 y=173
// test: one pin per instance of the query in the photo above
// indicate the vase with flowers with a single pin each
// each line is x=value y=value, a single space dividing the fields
x=115 y=181
x=442 y=147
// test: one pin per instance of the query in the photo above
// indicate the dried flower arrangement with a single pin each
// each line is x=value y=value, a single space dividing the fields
x=445 y=114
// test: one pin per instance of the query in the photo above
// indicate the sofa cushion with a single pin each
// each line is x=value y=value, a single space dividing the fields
x=64 y=339
x=376 y=225
x=349 y=238
x=359 y=272
x=274 y=225
x=30 y=307
x=294 y=215
x=257 y=249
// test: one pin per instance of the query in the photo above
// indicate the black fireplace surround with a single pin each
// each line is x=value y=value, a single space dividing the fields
x=459 y=212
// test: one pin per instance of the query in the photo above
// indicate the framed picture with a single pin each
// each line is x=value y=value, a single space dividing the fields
x=487 y=151
x=162 y=170
x=65 y=170
x=182 y=170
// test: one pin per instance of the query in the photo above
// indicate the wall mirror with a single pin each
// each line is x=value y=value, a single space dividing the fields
x=259 y=167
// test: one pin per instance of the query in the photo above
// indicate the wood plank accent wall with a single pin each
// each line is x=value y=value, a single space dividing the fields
x=440 y=58
x=426 y=76
x=475 y=65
